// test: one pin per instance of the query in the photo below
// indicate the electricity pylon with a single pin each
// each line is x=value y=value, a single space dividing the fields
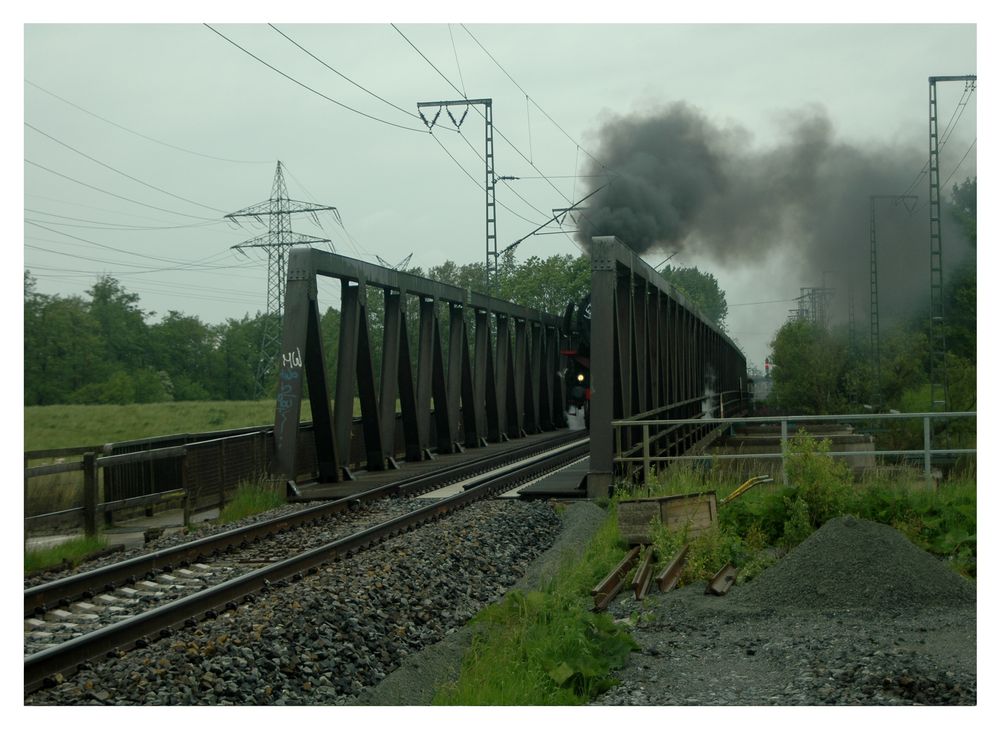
x=276 y=242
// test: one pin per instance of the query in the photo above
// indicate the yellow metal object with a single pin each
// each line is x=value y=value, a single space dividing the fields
x=751 y=482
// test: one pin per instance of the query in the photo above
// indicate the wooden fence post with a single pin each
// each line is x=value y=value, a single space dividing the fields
x=186 y=486
x=90 y=494
x=25 y=499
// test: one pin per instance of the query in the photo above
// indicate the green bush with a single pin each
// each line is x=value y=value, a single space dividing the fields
x=820 y=482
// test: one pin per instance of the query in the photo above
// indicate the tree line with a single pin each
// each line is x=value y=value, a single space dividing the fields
x=105 y=348
x=821 y=370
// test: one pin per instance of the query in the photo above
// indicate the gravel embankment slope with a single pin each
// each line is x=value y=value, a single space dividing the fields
x=324 y=639
x=856 y=614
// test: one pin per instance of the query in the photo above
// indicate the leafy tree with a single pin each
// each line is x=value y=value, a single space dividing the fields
x=122 y=323
x=184 y=348
x=546 y=284
x=238 y=345
x=808 y=369
x=63 y=348
x=700 y=288
x=963 y=207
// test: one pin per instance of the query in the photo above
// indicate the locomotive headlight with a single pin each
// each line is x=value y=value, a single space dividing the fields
x=579 y=377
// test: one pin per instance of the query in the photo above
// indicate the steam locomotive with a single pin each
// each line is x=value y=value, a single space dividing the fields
x=576 y=322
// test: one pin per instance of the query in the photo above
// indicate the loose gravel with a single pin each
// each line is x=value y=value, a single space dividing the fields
x=855 y=615
x=324 y=639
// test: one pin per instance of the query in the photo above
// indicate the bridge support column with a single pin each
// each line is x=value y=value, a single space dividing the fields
x=602 y=370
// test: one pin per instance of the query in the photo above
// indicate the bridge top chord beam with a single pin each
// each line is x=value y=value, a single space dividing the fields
x=325 y=263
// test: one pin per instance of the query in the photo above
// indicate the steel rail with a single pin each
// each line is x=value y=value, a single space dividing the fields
x=159 y=622
x=43 y=597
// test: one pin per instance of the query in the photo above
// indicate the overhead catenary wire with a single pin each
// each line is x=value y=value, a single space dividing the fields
x=956 y=114
x=309 y=88
x=528 y=96
x=340 y=74
x=457 y=64
x=478 y=111
x=959 y=165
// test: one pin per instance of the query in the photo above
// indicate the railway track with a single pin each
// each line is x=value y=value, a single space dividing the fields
x=145 y=598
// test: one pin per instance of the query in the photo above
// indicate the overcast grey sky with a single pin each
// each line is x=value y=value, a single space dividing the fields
x=220 y=120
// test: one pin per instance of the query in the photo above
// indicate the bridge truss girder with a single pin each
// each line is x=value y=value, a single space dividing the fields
x=501 y=381
x=652 y=356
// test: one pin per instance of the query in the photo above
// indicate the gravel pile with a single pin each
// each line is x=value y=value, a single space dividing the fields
x=855 y=615
x=854 y=563
x=324 y=639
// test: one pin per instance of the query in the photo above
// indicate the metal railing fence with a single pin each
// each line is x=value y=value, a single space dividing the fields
x=654 y=429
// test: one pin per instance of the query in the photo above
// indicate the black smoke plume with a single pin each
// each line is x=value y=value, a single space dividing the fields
x=682 y=183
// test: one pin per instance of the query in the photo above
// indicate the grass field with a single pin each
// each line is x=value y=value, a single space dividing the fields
x=54 y=427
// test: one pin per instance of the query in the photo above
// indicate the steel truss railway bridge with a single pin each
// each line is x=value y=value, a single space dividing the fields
x=461 y=370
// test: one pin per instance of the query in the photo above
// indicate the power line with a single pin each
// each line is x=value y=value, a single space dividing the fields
x=113 y=263
x=105 y=210
x=309 y=88
x=335 y=215
x=115 y=195
x=107 y=225
x=140 y=287
x=112 y=248
x=146 y=137
x=115 y=169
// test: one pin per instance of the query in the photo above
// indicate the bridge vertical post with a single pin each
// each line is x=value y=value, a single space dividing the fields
x=301 y=358
x=456 y=333
x=485 y=385
x=603 y=284
x=520 y=374
x=506 y=403
x=391 y=341
x=375 y=450
x=343 y=405
x=425 y=366
x=407 y=390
